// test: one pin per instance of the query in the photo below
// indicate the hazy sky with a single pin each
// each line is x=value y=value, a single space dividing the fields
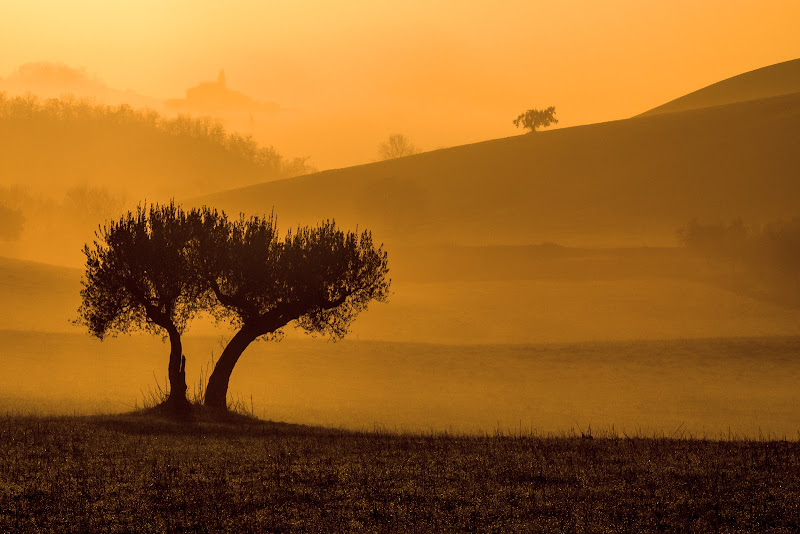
x=349 y=73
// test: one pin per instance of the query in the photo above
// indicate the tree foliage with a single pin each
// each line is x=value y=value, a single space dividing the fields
x=318 y=278
x=156 y=268
x=319 y=275
x=534 y=119
x=141 y=274
x=334 y=275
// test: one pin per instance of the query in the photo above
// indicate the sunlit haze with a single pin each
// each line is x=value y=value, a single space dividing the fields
x=633 y=265
x=345 y=75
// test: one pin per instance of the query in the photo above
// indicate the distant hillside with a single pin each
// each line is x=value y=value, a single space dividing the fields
x=627 y=182
x=774 y=80
x=58 y=143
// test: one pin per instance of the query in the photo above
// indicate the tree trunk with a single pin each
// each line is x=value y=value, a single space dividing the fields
x=177 y=372
x=217 y=389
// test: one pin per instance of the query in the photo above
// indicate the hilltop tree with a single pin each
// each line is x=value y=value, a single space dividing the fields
x=140 y=275
x=397 y=146
x=318 y=278
x=536 y=118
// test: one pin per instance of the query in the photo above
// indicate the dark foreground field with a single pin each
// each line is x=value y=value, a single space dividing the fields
x=133 y=472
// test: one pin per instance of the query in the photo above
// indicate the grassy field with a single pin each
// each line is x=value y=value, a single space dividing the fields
x=135 y=472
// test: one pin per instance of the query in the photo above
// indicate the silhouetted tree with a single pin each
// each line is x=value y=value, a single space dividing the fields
x=536 y=118
x=319 y=277
x=397 y=146
x=140 y=274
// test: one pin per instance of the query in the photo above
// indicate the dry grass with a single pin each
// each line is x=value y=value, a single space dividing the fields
x=138 y=472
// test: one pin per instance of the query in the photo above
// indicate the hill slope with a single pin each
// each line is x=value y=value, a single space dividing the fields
x=621 y=182
x=774 y=80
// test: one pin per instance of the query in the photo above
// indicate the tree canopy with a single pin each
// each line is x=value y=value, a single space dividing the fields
x=156 y=268
x=534 y=119
x=140 y=274
x=318 y=277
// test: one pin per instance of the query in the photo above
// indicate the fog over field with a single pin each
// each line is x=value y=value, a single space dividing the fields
x=703 y=388
x=639 y=273
x=304 y=266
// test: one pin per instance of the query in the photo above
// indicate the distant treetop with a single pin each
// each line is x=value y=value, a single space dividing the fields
x=536 y=118
x=397 y=146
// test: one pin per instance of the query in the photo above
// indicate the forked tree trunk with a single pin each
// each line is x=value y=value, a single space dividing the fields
x=217 y=389
x=177 y=372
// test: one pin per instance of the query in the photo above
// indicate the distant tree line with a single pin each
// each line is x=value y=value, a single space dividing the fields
x=769 y=253
x=144 y=133
x=158 y=267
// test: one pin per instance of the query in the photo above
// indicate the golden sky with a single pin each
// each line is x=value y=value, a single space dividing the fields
x=347 y=74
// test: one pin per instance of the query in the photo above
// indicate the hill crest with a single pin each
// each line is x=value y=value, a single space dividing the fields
x=620 y=183
x=765 y=82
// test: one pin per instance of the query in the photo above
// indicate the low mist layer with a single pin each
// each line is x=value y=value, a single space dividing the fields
x=504 y=251
x=703 y=388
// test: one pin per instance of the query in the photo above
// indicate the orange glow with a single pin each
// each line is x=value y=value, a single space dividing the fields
x=621 y=268
x=348 y=74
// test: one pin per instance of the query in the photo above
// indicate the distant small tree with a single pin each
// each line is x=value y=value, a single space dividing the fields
x=140 y=275
x=397 y=146
x=318 y=278
x=536 y=118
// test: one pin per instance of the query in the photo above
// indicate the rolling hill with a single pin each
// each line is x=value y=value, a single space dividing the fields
x=463 y=225
x=464 y=228
x=774 y=80
x=626 y=182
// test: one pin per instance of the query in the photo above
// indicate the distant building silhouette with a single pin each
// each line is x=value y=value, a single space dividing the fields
x=216 y=97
